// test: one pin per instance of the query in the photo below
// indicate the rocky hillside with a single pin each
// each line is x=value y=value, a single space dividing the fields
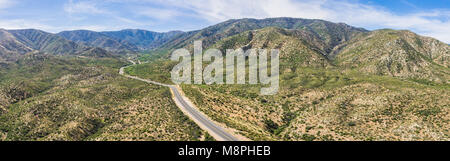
x=396 y=53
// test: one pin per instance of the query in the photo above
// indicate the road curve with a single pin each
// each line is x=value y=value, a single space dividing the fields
x=198 y=117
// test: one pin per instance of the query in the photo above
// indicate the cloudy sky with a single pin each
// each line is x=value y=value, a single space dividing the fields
x=426 y=17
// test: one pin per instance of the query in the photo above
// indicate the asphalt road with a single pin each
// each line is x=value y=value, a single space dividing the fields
x=198 y=117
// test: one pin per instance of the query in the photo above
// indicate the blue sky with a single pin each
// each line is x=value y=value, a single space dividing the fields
x=426 y=17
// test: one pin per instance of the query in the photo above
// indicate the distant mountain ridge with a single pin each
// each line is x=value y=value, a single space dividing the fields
x=129 y=39
x=46 y=42
x=14 y=43
x=97 y=39
x=10 y=47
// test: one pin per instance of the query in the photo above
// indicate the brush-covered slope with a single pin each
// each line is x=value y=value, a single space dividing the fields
x=45 y=97
x=322 y=104
x=396 y=53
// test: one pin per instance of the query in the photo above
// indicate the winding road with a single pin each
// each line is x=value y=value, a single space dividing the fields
x=193 y=113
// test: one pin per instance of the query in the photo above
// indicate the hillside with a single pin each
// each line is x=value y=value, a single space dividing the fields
x=43 y=97
x=372 y=85
x=397 y=53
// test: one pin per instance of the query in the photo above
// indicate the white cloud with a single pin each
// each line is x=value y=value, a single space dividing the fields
x=90 y=27
x=81 y=10
x=162 y=14
x=6 y=3
x=89 y=7
x=27 y=24
x=23 y=24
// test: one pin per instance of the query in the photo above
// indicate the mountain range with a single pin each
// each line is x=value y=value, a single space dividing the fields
x=337 y=82
x=332 y=42
x=130 y=39
x=15 y=43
